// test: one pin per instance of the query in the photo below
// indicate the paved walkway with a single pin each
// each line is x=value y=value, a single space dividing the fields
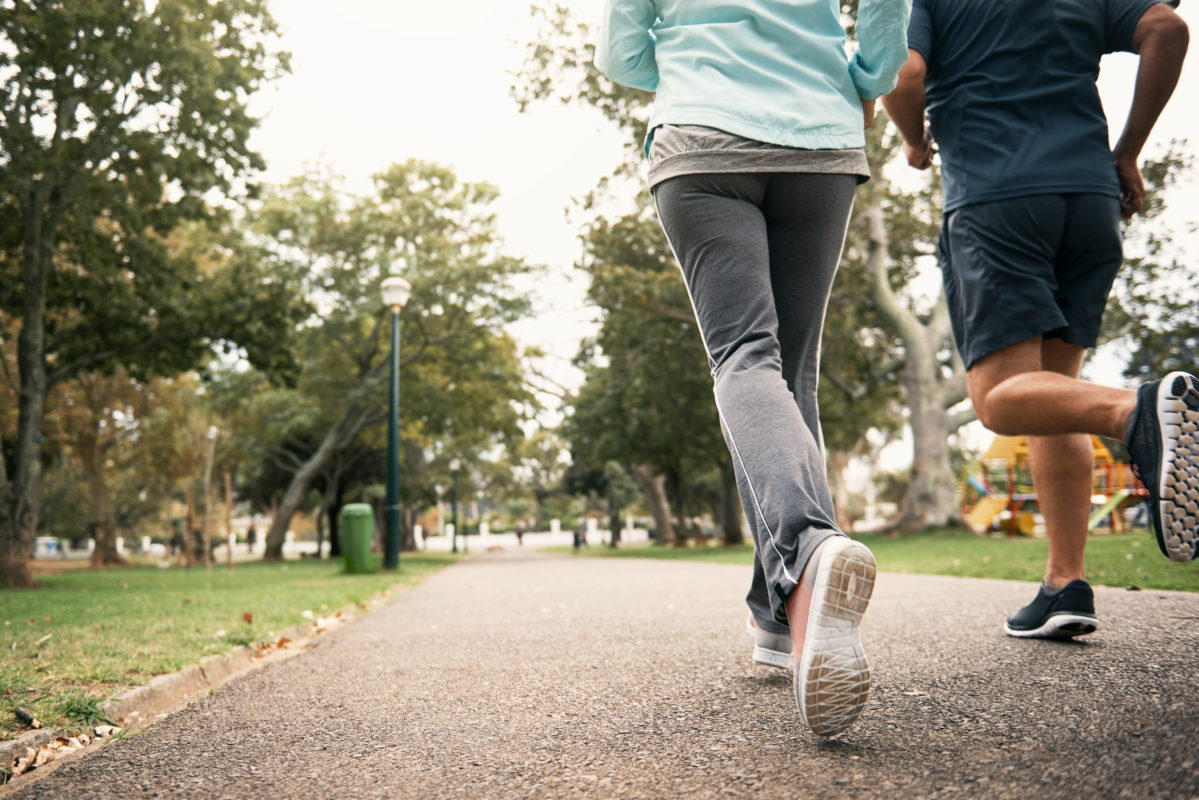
x=524 y=676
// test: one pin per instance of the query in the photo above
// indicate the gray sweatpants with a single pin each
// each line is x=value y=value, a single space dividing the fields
x=758 y=253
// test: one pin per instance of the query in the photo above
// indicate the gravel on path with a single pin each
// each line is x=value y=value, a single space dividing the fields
x=518 y=675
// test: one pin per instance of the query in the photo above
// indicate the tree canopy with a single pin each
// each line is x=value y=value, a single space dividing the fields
x=121 y=121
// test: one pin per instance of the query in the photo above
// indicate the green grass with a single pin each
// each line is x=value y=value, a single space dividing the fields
x=80 y=637
x=1112 y=559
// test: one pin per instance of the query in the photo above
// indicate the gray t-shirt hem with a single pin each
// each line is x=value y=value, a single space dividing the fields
x=695 y=149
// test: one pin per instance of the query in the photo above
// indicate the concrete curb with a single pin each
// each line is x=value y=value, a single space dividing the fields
x=164 y=692
x=142 y=706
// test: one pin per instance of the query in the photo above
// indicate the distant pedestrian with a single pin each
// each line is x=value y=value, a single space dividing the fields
x=251 y=539
x=1030 y=245
x=520 y=534
x=755 y=148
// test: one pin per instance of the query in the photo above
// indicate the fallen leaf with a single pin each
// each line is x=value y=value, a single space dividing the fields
x=248 y=617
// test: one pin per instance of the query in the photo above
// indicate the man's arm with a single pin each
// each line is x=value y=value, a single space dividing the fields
x=1160 y=38
x=905 y=106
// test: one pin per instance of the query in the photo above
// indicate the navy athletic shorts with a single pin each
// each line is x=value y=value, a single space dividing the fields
x=1040 y=265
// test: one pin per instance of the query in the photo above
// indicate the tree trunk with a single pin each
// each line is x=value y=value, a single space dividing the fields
x=104 y=525
x=614 y=525
x=540 y=496
x=211 y=456
x=345 y=428
x=731 y=514
x=654 y=488
x=189 y=534
x=838 y=462
x=20 y=492
x=320 y=527
x=931 y=498
x=335 y=524
x=229 y=518
x=407 y=530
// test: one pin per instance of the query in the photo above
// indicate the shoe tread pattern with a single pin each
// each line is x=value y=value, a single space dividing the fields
x=832 y=688
x=1178 y=488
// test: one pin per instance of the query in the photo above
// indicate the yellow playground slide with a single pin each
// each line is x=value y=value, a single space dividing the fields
x=984 y=512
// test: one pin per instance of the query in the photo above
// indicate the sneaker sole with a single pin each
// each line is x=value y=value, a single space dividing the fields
x=1178 y=480
x=832 y=679
x=765 y=655
x=1059 y=626
x=772 y=658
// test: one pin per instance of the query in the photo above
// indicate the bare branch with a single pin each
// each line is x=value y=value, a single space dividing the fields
x=963 y=417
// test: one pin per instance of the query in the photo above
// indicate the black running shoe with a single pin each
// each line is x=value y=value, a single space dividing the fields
x=1068 y=612
x=1163 y=442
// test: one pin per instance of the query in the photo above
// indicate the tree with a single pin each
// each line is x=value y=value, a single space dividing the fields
x=461 y=385
x=118 y=118
x=539 y=459
x=1152 y=308
x=646 y=367
x=94 y=417
x=172 y=435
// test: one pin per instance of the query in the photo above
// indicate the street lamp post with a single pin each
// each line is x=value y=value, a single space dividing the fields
x=455 y=465
x=396 y=292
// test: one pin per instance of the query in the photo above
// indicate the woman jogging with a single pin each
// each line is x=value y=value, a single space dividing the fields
x=755 y=147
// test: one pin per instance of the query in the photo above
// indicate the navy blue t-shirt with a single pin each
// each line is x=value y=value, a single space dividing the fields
x=1011 y=96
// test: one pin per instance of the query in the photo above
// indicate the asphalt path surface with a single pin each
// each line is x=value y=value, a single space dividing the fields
x=525 y=676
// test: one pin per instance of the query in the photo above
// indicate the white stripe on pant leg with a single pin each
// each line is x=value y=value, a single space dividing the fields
x=749 y=481
x=724 y=421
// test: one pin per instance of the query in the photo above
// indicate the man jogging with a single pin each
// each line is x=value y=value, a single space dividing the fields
x=1030 y=245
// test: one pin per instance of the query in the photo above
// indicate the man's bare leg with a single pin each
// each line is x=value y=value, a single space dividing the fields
x=1062 y=461
x=1023 y=389
x=1015 y=393
x=1063 y=472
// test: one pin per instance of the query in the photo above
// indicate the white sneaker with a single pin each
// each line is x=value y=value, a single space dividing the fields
x=832 y=678
x=771 y=649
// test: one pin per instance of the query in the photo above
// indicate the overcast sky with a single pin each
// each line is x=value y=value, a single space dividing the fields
x=379 y=81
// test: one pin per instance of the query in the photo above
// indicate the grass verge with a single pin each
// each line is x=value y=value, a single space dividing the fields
x=80 y=637
x=1112 y=559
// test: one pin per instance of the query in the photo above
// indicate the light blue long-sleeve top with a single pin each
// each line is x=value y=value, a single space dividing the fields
x=772 y=70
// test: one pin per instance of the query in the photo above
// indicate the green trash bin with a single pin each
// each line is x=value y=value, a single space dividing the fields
x=357 y=532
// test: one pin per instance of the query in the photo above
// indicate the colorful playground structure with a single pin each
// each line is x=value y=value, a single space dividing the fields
x=1004 y=495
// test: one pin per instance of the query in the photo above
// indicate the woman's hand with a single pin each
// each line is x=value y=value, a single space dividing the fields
x=867 y=113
